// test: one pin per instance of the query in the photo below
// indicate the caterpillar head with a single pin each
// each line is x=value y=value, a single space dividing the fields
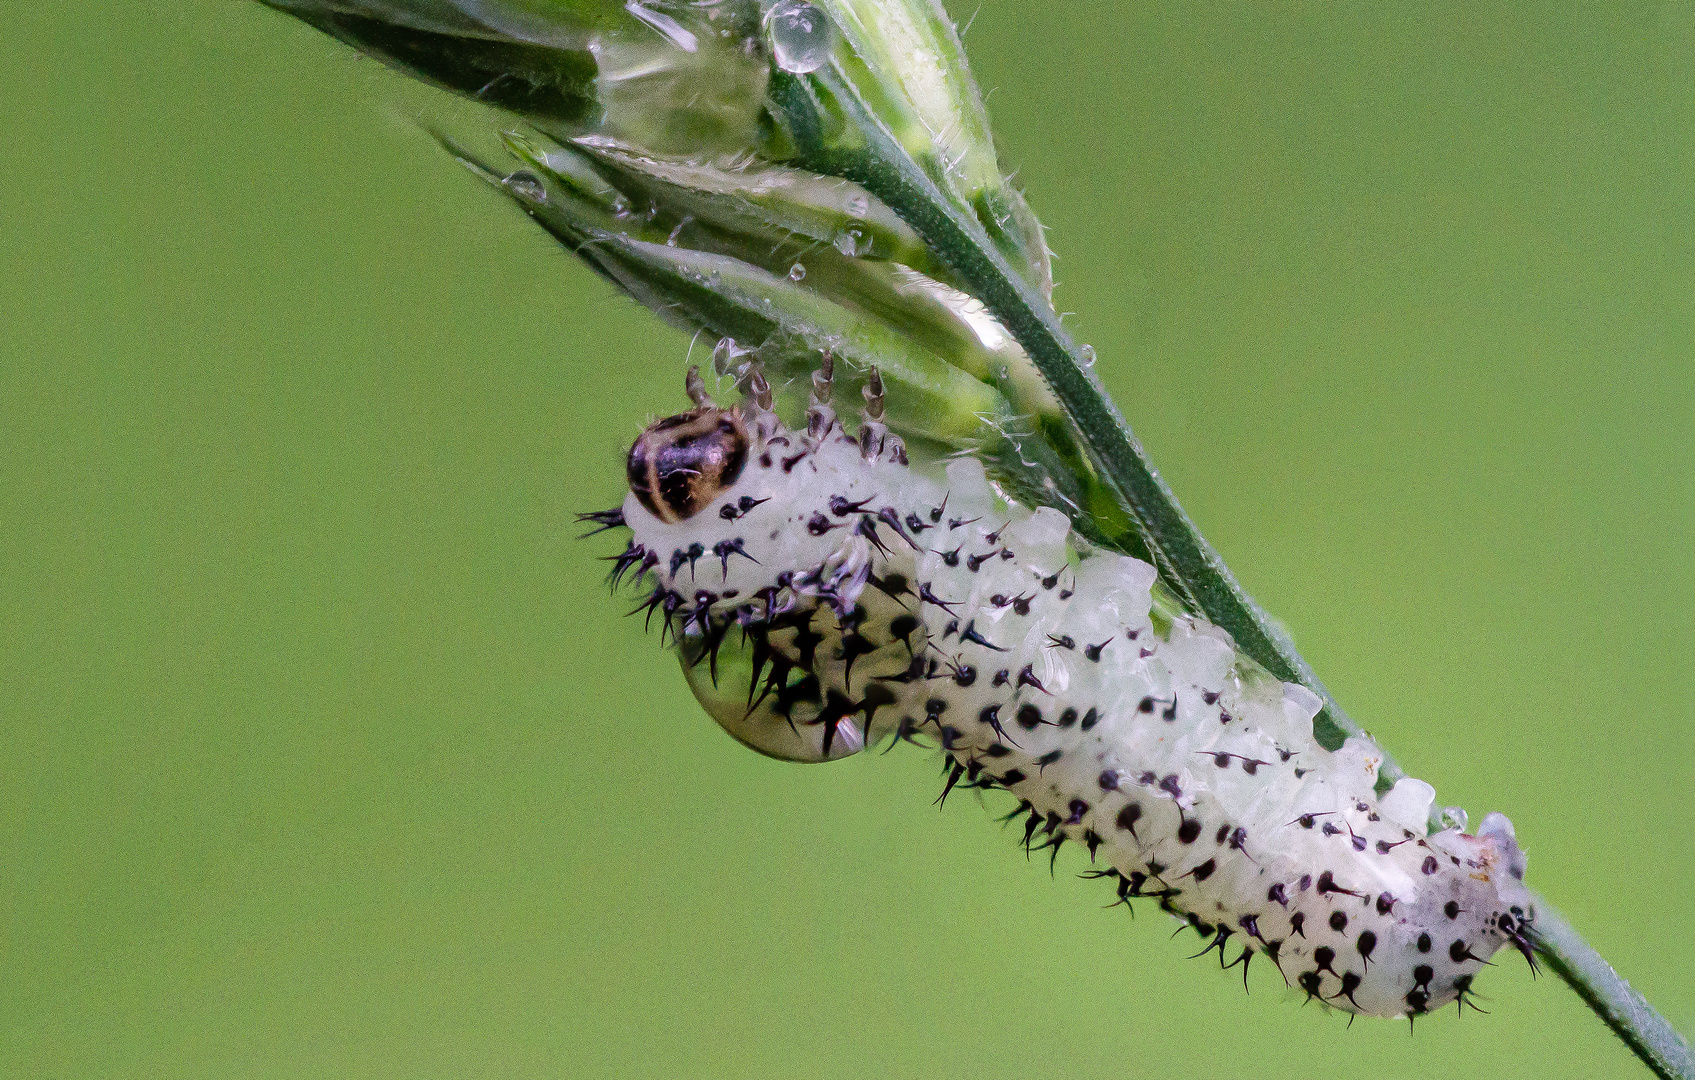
x=681 y=463
x=762 y=545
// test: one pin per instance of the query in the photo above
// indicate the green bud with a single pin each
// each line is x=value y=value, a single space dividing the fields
x=661 y=151
x=762 y=316
x=901 y=66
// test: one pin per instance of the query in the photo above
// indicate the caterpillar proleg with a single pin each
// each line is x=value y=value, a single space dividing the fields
x=824 y=594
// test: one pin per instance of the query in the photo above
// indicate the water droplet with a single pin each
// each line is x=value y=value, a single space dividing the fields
x=858 y=205
x=527 y=186
x=797 y=272
x=852 y=243
x=1455 y=817
x=801 y=36
x=727 y=356
x=620 y=207
x=1088 y=354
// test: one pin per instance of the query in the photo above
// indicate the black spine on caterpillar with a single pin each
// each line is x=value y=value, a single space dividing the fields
x=823 y=594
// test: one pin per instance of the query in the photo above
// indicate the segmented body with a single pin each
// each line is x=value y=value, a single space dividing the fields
x=828 y=594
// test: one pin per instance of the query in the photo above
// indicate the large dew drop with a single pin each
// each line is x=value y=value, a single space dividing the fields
x=801 y=36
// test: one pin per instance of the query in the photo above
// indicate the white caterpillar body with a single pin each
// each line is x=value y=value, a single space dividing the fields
x=825 y=594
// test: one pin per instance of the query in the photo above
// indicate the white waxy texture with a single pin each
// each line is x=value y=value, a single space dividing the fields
x=836 y=595
x=1408 y=803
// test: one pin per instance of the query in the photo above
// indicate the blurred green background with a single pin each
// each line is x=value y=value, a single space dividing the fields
x=323 y=752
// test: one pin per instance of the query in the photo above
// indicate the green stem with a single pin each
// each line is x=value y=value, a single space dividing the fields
x=1184 y=558
x=1647 y=1033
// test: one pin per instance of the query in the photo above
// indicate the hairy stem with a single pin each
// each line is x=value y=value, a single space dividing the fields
x=1647 y=1033
x=1186 y=562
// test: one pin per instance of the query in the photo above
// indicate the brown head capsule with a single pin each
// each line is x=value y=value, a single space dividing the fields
x=681 y=463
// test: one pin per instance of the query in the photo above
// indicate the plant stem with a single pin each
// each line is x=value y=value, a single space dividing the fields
x=1183 y=557
x=1186 y=562
x=1621 y=1008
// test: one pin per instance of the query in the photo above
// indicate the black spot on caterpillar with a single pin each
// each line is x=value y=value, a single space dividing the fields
x=814 y=616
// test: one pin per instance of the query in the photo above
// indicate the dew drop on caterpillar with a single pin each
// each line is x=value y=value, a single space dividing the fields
x=823 y=595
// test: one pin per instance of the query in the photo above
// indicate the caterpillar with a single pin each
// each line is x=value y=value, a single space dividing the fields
x=824 y=594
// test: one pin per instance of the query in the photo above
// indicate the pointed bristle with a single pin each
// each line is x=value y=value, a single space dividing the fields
x=603 y=520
